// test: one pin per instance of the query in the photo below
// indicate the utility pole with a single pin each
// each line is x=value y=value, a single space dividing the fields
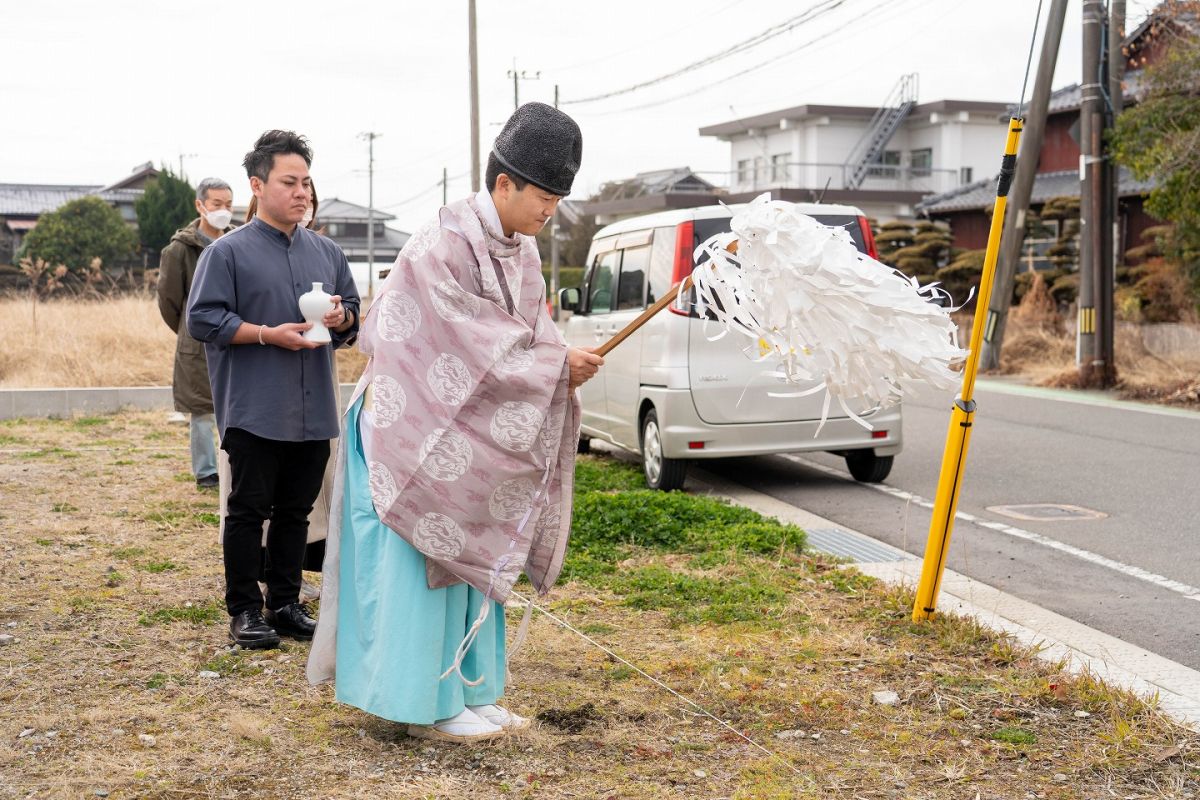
x=182 y=156
x=1105 y=349
x=1013 y=239
x=517 y=77
x=444 y=182
x=1093 y=370
x=370 y=136
x=473 y=56
x=554 y=248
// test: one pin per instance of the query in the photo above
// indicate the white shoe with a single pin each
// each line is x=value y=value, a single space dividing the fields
x=308 y=592
x=464 y=727
x=498 y=715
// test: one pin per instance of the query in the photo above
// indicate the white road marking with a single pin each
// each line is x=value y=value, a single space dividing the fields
x=1083 y=398
x=1019 y=533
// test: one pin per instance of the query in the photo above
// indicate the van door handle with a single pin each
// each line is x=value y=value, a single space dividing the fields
x=612 y=331
x=598 y=332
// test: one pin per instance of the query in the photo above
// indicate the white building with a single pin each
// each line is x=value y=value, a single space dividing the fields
x=882 y=160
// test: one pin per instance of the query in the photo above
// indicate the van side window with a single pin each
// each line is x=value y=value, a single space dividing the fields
x=662 y=263
x=632 y=284
x=600 y=282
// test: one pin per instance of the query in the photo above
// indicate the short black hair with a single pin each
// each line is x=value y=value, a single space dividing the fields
x=494 y=168
x=259 y=161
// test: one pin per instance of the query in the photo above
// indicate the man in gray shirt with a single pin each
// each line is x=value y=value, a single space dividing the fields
x=272 y=388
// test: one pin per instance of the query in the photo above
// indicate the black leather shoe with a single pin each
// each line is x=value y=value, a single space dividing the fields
x=249 y=630
x=208 y=482
x=293 y=620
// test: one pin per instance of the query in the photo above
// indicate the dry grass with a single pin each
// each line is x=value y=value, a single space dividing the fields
x=1039 y=349
x=120 y=341
x=113 y=597
x=116 y=342
x=123 y=342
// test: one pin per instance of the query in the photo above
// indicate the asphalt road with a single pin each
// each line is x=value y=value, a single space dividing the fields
x=1128 y=573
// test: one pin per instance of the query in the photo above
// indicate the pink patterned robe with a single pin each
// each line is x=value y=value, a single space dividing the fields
x=475 y=431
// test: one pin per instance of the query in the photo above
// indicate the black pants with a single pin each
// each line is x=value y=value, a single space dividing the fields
x=276 y=481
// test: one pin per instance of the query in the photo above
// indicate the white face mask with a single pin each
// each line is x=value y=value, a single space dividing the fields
x=220 y=218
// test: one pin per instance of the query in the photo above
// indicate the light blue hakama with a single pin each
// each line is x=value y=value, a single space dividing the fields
x=395 y=635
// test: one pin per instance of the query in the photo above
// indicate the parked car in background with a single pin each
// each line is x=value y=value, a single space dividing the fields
x=671 y=393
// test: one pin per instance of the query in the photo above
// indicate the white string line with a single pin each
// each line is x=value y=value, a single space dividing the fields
x=660 y=684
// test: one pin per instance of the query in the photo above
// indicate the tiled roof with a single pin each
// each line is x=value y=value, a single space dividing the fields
x=334 y=210
x=1046 y=186
x=38 y=198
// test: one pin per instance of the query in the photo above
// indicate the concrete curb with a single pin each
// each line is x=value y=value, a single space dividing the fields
x=1060 y=639
x=63 y=403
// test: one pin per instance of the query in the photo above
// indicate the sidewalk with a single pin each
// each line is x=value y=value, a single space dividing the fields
x=1060 y=639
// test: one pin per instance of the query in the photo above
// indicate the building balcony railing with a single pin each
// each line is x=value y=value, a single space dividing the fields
x=816 y=175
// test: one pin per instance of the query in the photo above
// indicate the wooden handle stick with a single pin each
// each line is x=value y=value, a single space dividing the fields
x=644 y=317
x=658 y=306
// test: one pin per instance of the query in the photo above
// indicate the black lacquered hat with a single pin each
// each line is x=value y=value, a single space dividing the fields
x=542 y=145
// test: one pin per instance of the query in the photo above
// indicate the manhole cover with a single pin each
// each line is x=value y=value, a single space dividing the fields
x=1047 y=512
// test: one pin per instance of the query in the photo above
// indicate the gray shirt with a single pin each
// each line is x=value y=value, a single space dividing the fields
x=256 y=274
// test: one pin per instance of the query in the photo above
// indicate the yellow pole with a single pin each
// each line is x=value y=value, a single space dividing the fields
x=958 y=437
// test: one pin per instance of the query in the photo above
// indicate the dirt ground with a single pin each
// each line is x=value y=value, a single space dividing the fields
x=117 y=680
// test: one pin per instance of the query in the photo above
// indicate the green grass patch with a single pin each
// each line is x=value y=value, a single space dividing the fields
x=156 y=567
x=44 y=542
x=209 y=613
x=732 y=549
x=156 y=681
x=169 y=514
x=689 y=598
x=88 y=422
x=228 y=664
x=63 y=508
x=207 y=517
x=1013 y=736
x=593 y=474
x=124 y=462
x=44 y=452
x=127 y=553
x=675 y=522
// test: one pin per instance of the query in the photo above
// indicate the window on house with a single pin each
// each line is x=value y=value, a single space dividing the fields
x=889 y=165
x=922 y=161
x=333 y=230
x=779 y=167
x=965 y=175
x=744 y=168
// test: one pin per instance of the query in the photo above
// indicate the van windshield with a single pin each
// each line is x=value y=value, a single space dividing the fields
x=710 y=227
x=704 y=228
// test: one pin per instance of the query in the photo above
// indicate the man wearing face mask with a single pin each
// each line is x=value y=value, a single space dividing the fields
x=177 y=268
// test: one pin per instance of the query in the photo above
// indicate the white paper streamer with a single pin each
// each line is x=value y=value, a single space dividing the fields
x=824 y=311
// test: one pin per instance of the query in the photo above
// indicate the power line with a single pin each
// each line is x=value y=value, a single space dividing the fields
x=754 y=41
x=822 y=39
x=698 y=18
x=414 y=198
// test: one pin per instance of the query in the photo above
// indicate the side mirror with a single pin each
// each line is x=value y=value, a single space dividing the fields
x=568 y=299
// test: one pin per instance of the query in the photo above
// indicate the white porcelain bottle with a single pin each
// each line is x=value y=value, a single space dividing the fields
x=314 y=304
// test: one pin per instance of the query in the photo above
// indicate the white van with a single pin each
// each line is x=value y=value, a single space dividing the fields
x=671 y=394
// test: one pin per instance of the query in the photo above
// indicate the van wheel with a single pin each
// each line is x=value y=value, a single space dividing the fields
x=584 y=446
x=867 y=467
x=661 y=472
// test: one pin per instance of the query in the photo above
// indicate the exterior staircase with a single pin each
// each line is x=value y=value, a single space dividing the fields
x=884 y=124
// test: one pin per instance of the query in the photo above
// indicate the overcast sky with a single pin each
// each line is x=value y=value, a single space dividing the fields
x=92 y=89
